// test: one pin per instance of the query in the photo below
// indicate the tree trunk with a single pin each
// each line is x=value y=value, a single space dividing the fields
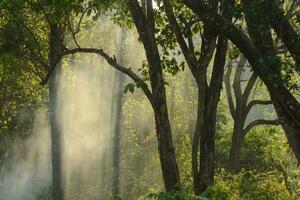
x=208 y=97
x=286 y=106
x=207 y=153
x=167 y=153
x=238 y=111
x=120 y=78
x=236 y=144
x=56 y=37
x=291 y=129
x=144 y=23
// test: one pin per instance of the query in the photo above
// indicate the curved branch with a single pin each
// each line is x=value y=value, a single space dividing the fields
x=228 y=90
x=258 y=122
x=257 y=102
x=112 y=61
x=237 y=80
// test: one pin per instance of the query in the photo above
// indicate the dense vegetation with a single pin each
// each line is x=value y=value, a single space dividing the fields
x=143 y=99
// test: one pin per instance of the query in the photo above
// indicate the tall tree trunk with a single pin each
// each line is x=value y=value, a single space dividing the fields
x=120 y=78
x=56 y=37
x=145 y=24
x=207 y=140
x=238 y=111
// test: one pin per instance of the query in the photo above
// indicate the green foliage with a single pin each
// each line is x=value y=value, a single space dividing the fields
x=129 y=87
x=233 y=53
x=268 y=168
x=290 y=73
x=182 y=195
x=114 y=198
x=247 y=185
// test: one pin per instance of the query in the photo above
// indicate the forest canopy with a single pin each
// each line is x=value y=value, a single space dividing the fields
x=149 y=99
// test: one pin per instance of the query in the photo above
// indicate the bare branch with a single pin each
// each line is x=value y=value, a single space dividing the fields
x=73 y=33
x=256 y=102
x=258 y=122
x=190 y=37
x=228 y=89
x=81 y=19
x=236 y=82
x=249 y=86
x=112 y=61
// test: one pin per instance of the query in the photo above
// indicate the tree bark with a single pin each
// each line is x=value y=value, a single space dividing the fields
x=236 y=146
x=238 y=112
x=56 y=37
x=207 y=141
x=145 y=27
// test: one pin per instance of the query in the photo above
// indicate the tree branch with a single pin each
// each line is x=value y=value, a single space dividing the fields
x=249 y=86
x=260 y=122
x=237 y=80
x=35 y=40
x=256 y=102
x=190 y=58
x=228 y=90
x=284 y=30
x=112 y=61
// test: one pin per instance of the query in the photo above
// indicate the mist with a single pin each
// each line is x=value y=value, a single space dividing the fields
x=87 y=116
x=26 y=171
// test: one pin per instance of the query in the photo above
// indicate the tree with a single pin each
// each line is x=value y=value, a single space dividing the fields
x=286 y=105
x=208 y=92
x=44 y=47
x=120 y=79
x=240 y=106
x=144 y=22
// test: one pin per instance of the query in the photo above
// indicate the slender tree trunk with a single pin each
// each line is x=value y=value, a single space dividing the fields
x=120 y=78
x=196 y=143
x=172 y=110
x=238 y=112
x=207 y=141
x=56 y=37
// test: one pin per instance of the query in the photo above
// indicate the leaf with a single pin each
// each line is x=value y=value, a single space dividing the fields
x=129 y=87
